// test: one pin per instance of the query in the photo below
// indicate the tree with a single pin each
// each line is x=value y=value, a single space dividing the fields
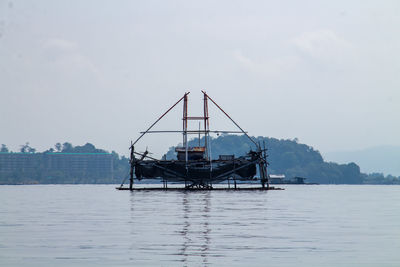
x=24 y=148
x=67 y=147
x=4 y=148
x=58 y=147
x=87 y=148
x=27 y=148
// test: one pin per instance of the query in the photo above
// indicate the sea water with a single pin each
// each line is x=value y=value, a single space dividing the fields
x=96 y=225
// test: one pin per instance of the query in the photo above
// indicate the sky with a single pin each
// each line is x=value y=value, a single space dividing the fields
x=325 y=72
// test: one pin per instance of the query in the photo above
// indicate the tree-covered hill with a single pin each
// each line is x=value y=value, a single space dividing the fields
x=287 y=157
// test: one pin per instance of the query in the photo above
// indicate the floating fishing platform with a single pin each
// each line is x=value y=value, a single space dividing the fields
x=202 y=189
x=194 y=167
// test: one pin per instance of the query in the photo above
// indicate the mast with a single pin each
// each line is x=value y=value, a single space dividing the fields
x=206 y=127
x=185 y=120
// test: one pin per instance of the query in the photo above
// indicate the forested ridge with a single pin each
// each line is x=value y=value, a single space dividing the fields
x=291 y=158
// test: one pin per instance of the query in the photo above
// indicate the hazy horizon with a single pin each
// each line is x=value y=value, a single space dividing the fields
x=101 y=72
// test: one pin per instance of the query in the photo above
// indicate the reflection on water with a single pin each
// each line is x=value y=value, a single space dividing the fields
x=202 y=228
x=99 y=226
x=183 y=232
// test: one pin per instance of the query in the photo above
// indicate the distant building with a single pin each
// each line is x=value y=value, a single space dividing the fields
x=95 y=164
x=10 y=162
x=276 y=178
x=76 y=165
x=281 y=179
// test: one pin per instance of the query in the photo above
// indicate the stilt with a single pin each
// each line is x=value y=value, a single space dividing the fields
x=262 y=165
x=132 y=163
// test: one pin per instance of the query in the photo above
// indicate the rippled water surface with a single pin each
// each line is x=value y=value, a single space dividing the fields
x=96 y=225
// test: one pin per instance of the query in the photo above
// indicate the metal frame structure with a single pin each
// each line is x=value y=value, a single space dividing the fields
x=259 y=156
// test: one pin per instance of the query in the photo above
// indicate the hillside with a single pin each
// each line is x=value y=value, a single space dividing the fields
x=287 y=157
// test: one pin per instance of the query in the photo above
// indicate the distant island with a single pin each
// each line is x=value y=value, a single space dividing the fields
x=86 y=164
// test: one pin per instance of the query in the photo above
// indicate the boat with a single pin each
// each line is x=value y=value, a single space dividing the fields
x=281 y=179
x=194 y=166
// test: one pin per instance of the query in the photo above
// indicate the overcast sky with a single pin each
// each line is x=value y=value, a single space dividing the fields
x=325 y=72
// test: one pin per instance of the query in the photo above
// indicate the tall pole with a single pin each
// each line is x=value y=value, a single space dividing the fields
x=263 y=164
x=185 y=119
x=206 y=127
x=207 y=144
x=262 y=173
x=266 y=164
x=132 y=163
